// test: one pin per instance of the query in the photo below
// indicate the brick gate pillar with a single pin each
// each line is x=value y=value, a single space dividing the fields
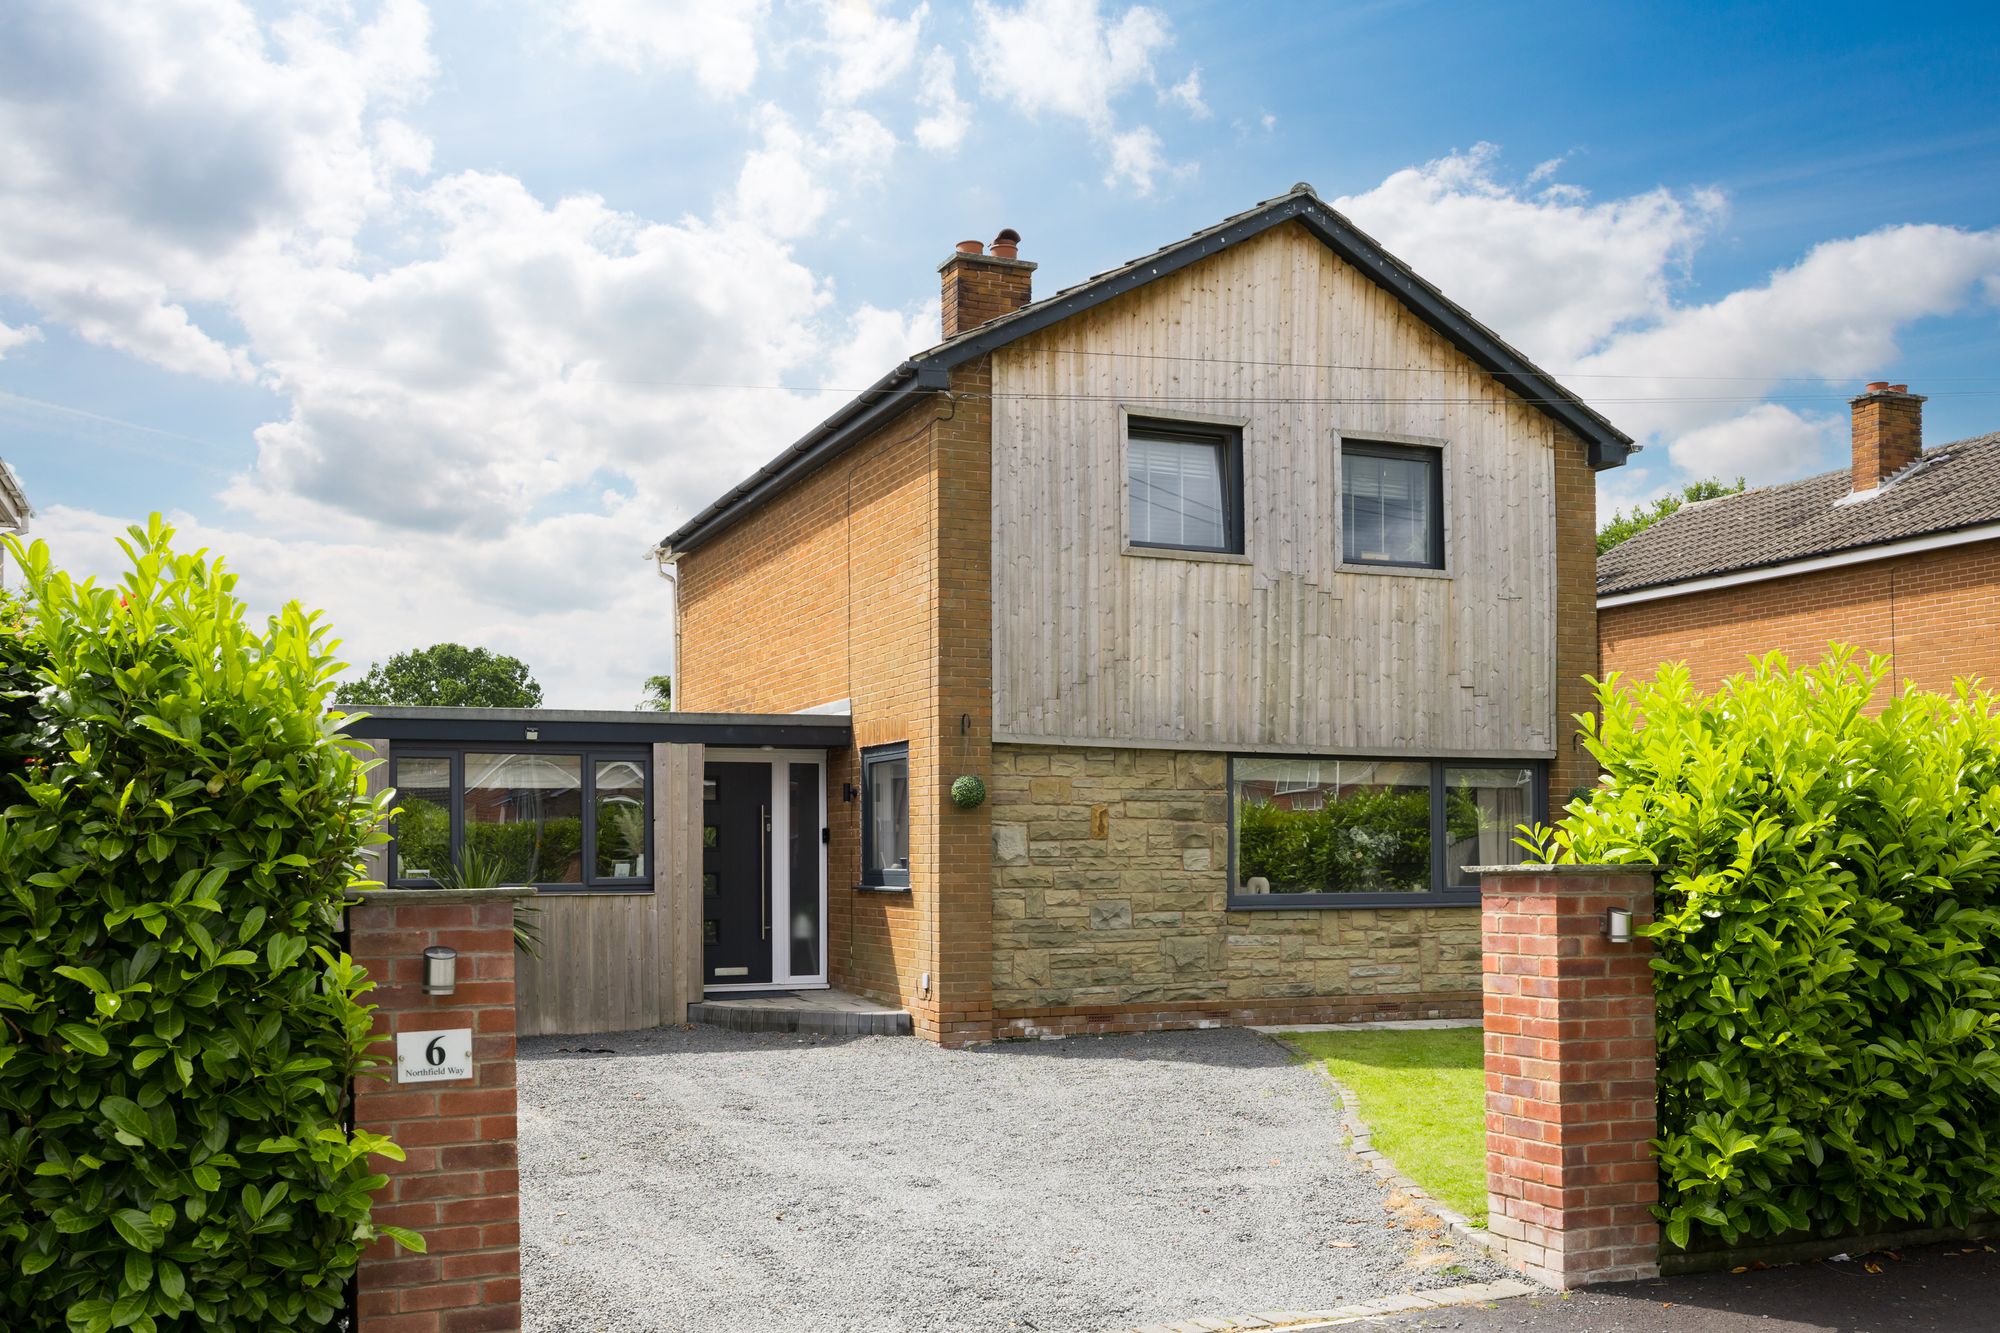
x=1571 y=1073
x=449 y=1101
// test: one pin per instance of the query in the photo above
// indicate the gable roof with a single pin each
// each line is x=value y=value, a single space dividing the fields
x=929 y=371
x=1951 y=487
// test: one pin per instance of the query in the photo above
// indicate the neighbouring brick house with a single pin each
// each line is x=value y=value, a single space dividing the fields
x=1897 y=554
x=1255 y=579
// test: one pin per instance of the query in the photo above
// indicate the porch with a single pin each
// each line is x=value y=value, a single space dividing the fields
x=673 y=854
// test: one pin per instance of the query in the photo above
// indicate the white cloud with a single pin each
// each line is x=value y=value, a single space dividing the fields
x=1187 y=93
x=1834 y=316
x=1065 y=58
x=578 y=599
x=870 y=50
x=947 y=117
x=1553 y=271
x=715 y=40
x=1135 y=159
x=10 y=338
x=146 y=154
x=1768 y=443
x=1589 y=288
x=788 y=182
x=490 y=423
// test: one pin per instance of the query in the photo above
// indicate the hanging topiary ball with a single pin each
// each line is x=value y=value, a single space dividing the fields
x=968 y=792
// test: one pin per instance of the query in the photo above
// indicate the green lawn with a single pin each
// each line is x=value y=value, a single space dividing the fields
x=1422 y=1094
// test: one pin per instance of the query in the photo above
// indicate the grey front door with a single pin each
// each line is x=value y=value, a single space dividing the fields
x=736 y=874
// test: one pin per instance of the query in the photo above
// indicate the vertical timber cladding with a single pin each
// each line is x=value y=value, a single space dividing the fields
x=1111 y=886
x=868 y=582
x=614 y=962
x=1287 y=650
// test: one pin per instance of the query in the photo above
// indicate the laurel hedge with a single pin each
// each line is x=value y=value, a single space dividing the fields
x=1828 y=941
x=178 y=1027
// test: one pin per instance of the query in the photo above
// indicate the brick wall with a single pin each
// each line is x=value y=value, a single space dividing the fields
x=1576 y=613
x=1937 y=614
x=1110 y=893
x=963 y=707
x=978 y=288
x=870 y=582
x=1886 y=433
x=830 y=595
x=460 y=1184
x=1571 y=1075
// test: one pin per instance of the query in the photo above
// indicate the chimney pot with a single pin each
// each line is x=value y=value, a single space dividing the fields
x=1007 y=245
x=1888 y=433
x=971 y=248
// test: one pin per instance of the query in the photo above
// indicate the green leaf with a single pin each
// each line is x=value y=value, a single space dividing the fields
x=86 y=1039
x=137 y=1229
x=89 y=976
x=404 y=1237
x=127 y=1116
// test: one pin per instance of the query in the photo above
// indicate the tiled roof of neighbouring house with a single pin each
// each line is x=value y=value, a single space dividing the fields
x=1953 y=486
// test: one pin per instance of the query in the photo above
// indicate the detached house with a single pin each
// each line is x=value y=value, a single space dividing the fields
x=1898 y=554
x=1253 y=581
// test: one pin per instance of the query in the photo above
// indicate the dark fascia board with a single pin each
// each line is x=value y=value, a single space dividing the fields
x=1609 y=446
x=825 y=442
x=560 y=726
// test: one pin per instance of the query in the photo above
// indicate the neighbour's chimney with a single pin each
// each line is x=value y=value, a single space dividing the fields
x=980 y=286
x=1888 y=433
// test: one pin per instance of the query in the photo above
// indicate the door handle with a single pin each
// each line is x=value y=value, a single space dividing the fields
x=764 y=869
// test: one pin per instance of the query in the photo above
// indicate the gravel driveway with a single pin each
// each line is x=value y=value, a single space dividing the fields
x=703 y=1179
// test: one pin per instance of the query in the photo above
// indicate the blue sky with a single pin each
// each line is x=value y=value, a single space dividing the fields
x=437 y=317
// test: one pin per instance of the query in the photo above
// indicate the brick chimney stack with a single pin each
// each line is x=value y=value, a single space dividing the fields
x=1888 y=433
x=980 y=285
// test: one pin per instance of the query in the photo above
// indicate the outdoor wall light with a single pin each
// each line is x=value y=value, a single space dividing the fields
x=534 y=733
x=1618 y=925
x=440 y=970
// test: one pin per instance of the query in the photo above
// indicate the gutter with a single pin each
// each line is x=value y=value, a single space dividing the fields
x=1861 y=555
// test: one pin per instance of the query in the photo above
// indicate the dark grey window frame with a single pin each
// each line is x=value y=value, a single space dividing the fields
x=1227 y=439
x=882 y=881
x=1432 y=457
x=1441 y=893
x=589 y=756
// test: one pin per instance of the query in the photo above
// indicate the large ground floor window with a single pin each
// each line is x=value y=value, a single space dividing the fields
x=556 y=819
x=1348 y=832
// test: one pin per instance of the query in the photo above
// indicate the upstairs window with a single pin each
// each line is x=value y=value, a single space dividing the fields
x=1185 y=486
x=1391 y=505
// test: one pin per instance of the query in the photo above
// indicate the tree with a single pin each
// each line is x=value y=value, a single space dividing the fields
x=659 y=694
x=445 y=675
x=1622 y=526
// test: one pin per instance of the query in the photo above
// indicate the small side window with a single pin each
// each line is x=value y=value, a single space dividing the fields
x=1391 y=505
x=885 y=817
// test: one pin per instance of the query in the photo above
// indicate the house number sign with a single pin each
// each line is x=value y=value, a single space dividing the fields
x=426 y=1057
